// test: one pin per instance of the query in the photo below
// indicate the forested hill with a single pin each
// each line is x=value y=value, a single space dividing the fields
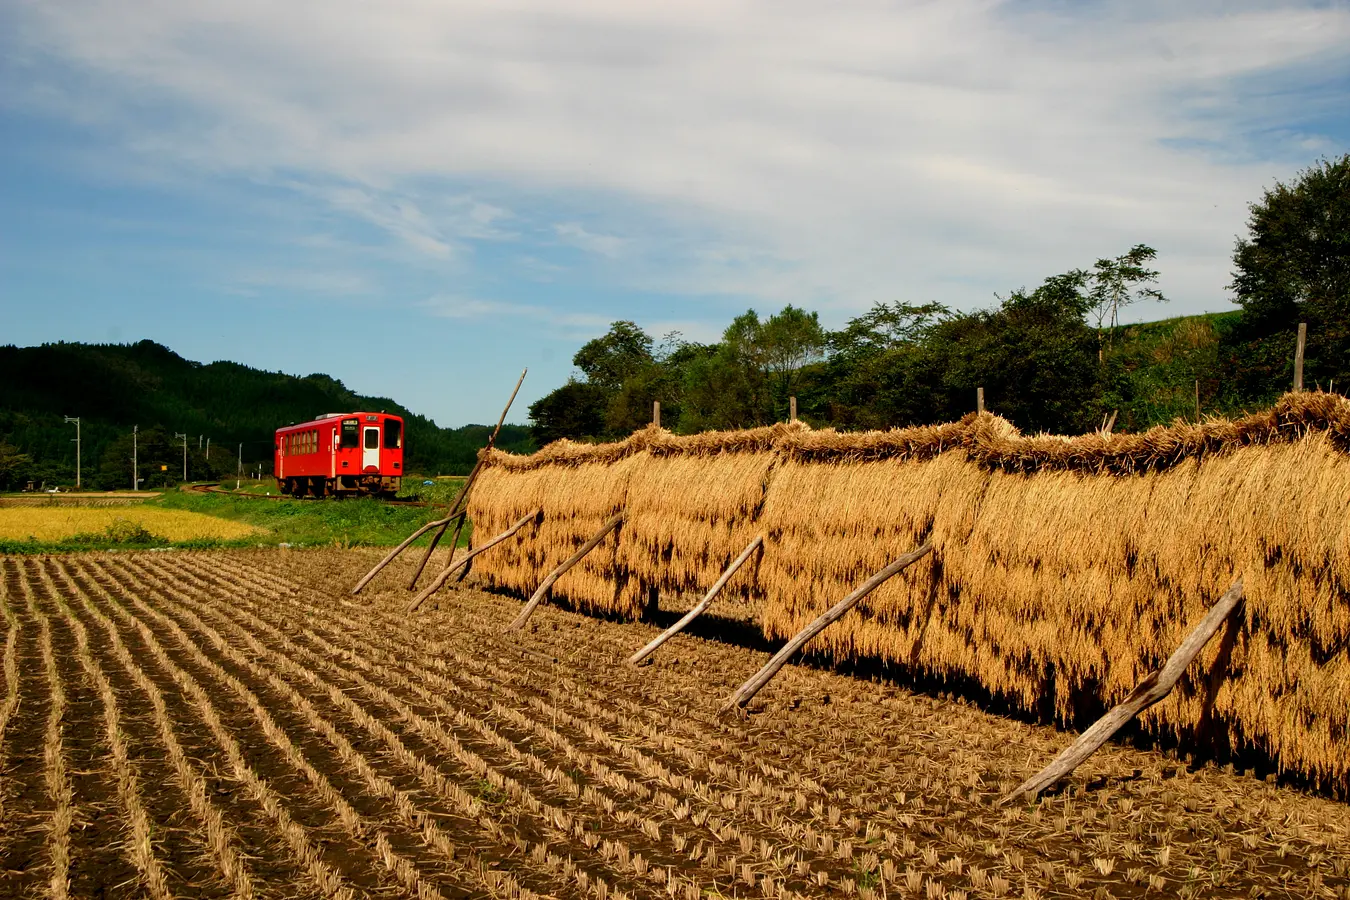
x=112 y=387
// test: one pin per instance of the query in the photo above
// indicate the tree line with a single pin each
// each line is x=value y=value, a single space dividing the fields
x=1051 y=358
x=113 y=387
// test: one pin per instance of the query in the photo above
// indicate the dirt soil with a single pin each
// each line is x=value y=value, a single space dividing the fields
x=234 y=724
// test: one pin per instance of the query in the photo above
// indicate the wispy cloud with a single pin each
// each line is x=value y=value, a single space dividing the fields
x=827 y=154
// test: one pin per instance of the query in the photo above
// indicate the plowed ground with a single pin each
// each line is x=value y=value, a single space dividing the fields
x=234 y=725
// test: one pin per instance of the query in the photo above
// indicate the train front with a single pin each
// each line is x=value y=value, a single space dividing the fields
x=369 y=455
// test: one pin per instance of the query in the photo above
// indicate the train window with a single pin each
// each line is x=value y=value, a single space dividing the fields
x=393 y=434
x=372 y=438
x=350 y=434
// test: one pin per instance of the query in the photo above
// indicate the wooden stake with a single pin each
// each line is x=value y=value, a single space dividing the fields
x=452 y=508
x=656 y=413
x=1197 y=401
x=1146 y=693
x=792 y=409
x=764 y=675
x=461 y=502
x=463 y=562
x=701 y=607
x=557 y=573
x=395 y=552
x=979 y=399
x=1298 y=355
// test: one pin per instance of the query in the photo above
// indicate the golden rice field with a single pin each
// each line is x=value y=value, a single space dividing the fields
x=235 y=724
x=54 y=523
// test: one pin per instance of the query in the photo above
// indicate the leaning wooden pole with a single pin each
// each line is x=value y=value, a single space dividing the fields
x=460 y=504
x=452 y=512
x=463 y=562
x=395 y=552
x=702 y=605
x=765 y=675
x=1153 y=688
x=543 y=589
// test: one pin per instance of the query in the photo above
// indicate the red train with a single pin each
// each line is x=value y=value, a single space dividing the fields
x=356 y=453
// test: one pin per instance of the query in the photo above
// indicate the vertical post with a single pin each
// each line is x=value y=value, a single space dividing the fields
x=979 y=400
x=208 y=449
x=656 y=413
x=239 y=472
x=1298 y=355
x=76 y=420
x=183 y=435
x=135 y=469
x=1197 y=401
x=792 y=409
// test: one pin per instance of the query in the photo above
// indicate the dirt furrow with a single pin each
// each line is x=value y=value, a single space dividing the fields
x=311 y=850
x=439 y=736
x=163 y=760
x=618 y=797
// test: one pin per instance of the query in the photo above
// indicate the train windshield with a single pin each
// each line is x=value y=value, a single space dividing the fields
x=351 y=434
x=393 y=434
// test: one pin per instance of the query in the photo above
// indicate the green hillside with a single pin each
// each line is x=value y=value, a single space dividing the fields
x=112 y=387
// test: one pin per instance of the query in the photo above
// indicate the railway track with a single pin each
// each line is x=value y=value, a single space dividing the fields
x=213 y=487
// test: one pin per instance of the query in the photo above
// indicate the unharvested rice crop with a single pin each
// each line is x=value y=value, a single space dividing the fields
x=1063 y=571
x=60 y=523
x=235 y=725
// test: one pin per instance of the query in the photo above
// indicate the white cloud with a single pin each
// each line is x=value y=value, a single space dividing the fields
x=832 y=154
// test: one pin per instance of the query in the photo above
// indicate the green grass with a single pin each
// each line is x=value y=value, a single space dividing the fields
x=312 y=523
x=297 y=523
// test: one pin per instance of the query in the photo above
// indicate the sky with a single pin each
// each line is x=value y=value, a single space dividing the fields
x=423 y=197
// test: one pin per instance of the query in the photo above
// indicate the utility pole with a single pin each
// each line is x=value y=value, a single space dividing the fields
x=135 y=471
x=208 y=450
x=184 y=437
x=76 y=420
x=199 y=442
x=239 y=473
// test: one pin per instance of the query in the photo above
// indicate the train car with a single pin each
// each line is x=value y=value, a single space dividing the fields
x=341 y=454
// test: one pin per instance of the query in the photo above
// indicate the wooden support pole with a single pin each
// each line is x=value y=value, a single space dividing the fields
x=543 y=589
x=1298 y=355
x=452 y=510
x=1197 y=401
x=463 y=562
x=792 y=409
x=395 y=552
x=1153 y=688
x=702 y=605
x=461 y=502
x=656 y=413
x=979 y=400
x=764 y=675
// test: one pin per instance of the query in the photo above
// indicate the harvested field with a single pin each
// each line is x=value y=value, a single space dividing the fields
x=55 y=523
x=232 y=724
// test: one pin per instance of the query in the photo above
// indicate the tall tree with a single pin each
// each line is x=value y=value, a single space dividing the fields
x=1294 y=266
x=620 y=353
x=1114 y=284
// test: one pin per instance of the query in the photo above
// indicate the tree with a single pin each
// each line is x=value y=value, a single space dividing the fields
x=576 y=410
x=788 y=341
x=13 y=465
x=1294 y=266
x=1114 y=284
x=1034 y=355
x=622 y=352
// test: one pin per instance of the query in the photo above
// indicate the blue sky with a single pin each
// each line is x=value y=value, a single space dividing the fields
x=421 y=198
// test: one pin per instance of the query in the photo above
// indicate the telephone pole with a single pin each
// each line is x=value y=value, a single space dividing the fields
x=184 y=437
x=76 y=420
x=135 y=472
x=208 y=450
x=239 y=473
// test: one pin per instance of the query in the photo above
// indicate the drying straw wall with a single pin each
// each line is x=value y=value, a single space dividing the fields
x=1063 y=571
